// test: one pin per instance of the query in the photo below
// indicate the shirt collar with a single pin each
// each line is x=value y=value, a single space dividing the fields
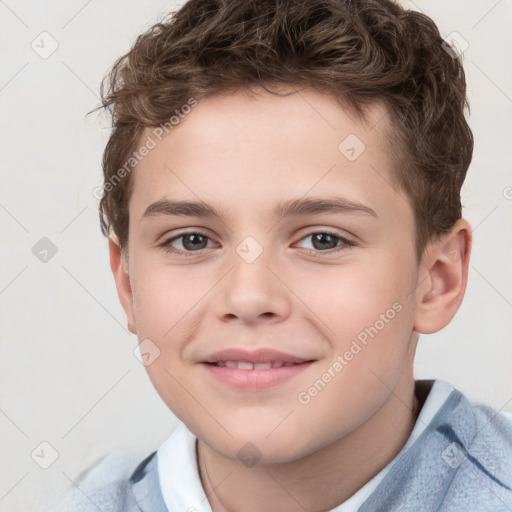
x=179 y=474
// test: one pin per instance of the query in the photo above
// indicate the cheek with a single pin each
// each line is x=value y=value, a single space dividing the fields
x=367 y=314
x=349 y=299
x=162 y=297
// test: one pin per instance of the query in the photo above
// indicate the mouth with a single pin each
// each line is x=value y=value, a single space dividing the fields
x=247 y=365
x=254 y=371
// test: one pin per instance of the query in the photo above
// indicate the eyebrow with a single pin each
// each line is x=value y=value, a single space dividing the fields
x=289 y=208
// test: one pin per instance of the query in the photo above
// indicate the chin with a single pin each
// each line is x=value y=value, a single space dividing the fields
x=261 y=444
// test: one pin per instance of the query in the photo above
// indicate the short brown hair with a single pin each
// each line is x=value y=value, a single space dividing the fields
x=359 y=51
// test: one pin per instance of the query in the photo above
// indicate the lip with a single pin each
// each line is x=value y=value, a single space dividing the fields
x=254 y=380
x=261 y=355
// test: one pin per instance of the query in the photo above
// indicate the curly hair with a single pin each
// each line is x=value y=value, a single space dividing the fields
x=359 y=51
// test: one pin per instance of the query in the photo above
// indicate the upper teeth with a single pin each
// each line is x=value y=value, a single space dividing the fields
x=244 y=365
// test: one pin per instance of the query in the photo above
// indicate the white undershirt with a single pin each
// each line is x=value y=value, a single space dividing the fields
x=179 y=475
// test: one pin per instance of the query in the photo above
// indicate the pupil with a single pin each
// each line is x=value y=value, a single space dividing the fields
x=193 y=242
x=324 y=241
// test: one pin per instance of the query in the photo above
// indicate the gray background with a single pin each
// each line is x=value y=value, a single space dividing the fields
x=68 y=376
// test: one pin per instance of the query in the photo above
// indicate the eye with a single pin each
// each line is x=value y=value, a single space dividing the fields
x=186 y=242
x=323 y=241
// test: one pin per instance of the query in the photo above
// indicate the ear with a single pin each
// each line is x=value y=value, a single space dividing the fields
x=120 y=270
x=442 y=279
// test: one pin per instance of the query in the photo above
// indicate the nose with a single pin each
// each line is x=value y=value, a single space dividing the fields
x=252 y=292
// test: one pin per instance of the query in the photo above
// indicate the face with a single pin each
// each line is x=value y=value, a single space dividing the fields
x=279 y=305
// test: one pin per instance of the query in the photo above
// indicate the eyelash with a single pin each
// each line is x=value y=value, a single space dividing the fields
x=346 y=243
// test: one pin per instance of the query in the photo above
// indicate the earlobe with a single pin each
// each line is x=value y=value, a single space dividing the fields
x=122 y=280
x=443 y=279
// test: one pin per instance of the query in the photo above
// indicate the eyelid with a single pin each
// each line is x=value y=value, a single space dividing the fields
x=197 y=231
x=312 y=230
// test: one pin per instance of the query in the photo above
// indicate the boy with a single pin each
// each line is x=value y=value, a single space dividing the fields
x=313 y=152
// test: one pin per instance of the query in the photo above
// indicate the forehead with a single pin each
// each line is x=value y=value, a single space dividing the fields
x=246 y=150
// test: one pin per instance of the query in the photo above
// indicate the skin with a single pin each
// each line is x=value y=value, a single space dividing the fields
x=243 y=154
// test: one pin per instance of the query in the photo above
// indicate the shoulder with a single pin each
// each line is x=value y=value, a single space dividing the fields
x=104 y=484
x=462 y=460
x=479 y=452
x=493 y=427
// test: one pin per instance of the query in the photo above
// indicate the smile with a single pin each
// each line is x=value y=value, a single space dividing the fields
x=245 y=365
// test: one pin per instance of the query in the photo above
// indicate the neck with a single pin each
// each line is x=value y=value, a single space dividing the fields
x=317 y=482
